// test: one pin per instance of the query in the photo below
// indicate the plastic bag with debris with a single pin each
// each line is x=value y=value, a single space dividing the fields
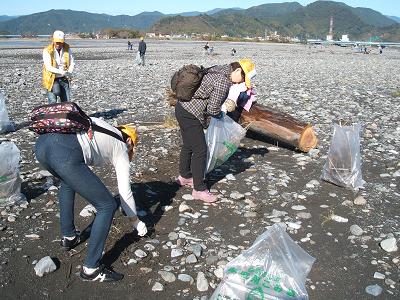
x=5 y=124
x=138 y=59
x=223 y=138
x=343 y=164
x=10 y=182
x=273 y=268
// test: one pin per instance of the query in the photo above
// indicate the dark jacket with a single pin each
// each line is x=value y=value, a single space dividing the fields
x=142 y=47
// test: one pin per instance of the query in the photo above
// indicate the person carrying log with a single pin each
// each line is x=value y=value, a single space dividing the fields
x=192 y=118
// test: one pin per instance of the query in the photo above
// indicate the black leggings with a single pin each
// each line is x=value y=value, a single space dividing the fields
x=193 y=157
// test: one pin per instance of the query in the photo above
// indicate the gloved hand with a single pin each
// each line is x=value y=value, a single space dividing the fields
x=218 y=116
x=140 y=227
x=62 y=73
x=68 y=74
x=235 y=90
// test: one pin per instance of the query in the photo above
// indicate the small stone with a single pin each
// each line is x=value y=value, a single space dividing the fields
x=389 y=245
x=378 y=275
x=131 y=261
x=219 y=273
x=157 y=287
x=11 y=219
x=149 y=247
x=196 y=249
x=356 y=230
x=140 y=253
x=176 y=252
x=298 y=207
x=303 y=215
x=184 y=207
x=185 y=278
x=191 y=259
x=360 y=200
x=339 y=219
x=167 y=208
x=201 y=282
x=32 y=236
x=244 y=232
x=187 y=197
x=292 y=225
x=230 y=177
x=374 y=290
x=88 y=211
x=167 y=276
x=236 y=196
x=172 y=236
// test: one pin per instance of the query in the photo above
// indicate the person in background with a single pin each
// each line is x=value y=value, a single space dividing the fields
x=68 y=156
x=206 y=47
x=129 y=45
x=142 y=50
x=58 y=65
x=192 y=118
x=233 y=52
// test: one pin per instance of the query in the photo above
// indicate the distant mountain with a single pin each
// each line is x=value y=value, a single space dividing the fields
x=372 y=17
x=397 y=19
x=288 y=19
x=76 y=21
x=6 y=18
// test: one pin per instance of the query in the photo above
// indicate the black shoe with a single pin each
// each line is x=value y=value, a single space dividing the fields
x=67 y=244
x=102 y=274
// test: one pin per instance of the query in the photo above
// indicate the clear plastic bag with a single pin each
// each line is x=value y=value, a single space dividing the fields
x=138 y=59
x=223 y=138
x=10 y=181
x=5 y=124
x=273 y=268
x=343 y=164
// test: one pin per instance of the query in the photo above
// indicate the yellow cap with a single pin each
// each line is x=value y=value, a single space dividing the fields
x=58 y=36
x=129 y=131
x=141 y=38
x=249 y=70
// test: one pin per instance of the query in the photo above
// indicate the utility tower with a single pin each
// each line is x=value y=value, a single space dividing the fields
x=329 y=37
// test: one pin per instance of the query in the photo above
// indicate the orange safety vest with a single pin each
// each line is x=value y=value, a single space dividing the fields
x=48 y=77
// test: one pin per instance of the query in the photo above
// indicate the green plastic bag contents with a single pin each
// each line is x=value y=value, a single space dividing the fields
x=273 y=268
x=343 y=164
x=10 y=182
x=223 y=138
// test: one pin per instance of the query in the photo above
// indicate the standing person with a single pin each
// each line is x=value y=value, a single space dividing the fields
x=129 y=45
x=206 y=47
x=142 y=50
x=67 y=157
x=58 y=65
x=192 y=119
x=380 y=49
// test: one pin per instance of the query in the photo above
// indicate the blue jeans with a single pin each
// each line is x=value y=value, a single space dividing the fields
x=61 y=155
x=60 y=88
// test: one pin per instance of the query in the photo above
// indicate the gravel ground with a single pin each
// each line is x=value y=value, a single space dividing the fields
x=260 y=185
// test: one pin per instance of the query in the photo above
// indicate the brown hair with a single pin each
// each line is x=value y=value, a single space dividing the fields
x=236 y=65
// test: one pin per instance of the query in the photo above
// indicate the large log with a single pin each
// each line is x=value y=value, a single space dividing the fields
x=279 y=126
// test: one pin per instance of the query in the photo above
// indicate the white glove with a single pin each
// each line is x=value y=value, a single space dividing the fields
x=62 y=73
x=141 y=228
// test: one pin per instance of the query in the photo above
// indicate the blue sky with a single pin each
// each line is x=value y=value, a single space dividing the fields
x=129 y=7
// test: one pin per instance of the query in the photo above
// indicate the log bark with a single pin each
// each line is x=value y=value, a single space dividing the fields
x=279 y=126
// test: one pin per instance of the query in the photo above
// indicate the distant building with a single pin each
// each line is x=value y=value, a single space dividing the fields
x=345 y=38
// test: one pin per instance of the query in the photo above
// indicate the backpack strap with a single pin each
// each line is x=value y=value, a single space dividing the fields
x=106 y=131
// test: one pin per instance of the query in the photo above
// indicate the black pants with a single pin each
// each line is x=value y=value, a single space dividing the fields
x=193 y=157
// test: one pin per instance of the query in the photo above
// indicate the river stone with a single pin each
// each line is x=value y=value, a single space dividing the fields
x=374 y=290
x=167 y=276
x=389 y=245
x=356 y=230
x=201 y=282
x=157 y=287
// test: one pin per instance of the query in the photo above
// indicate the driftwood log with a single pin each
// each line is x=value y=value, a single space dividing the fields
x=279 y=126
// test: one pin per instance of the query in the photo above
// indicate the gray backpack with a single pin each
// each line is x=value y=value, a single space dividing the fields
x=186 y=81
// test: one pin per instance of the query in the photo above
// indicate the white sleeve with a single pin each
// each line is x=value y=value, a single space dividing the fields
x=47 y=63
x=71 y=61
x=122 y=169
